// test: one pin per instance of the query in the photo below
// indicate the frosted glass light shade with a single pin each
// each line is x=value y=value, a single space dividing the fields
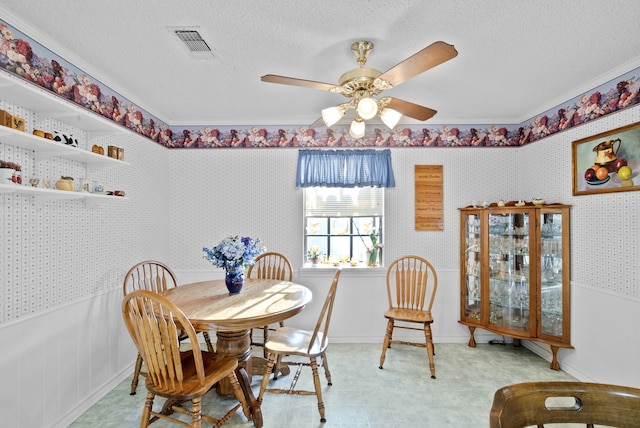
x=332 y=115
x=356 y=130
x=367 y=108
x=390 y=117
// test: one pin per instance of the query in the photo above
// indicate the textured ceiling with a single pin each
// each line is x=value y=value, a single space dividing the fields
x=516 y=58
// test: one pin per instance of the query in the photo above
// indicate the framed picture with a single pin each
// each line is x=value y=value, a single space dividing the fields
x=607 y=162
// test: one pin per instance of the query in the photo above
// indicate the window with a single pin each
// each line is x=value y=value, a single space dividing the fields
x=339 y=223
x=344 y=203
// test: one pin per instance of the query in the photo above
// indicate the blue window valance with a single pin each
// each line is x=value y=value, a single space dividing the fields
x=345 y=168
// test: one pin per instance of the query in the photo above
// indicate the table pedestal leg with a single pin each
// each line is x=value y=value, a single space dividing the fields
x=259 y=365
x=236 y=344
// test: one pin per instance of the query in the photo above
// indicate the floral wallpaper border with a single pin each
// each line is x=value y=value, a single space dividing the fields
x=26 y=58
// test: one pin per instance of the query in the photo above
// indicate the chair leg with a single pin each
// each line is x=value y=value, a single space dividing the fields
x=265 y=377
x=387 y=341
x=327 y=373
x=265 y=337
x=136 y=374
x=430 y=349
x=146 y=410
x=242 y=390
x=318 y=388
x=196 y=412
x=207 y=339
x=276 y=370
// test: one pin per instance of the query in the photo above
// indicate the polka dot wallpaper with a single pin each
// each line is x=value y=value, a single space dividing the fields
x=54 y=252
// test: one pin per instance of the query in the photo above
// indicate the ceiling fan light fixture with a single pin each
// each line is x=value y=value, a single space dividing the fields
x=367 y=108
x=390 y=117
x=332 y=115
x=356 y=130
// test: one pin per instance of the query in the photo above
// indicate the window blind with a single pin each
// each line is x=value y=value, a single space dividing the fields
x=341 y=202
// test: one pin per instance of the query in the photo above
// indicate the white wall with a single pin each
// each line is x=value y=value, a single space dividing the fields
x=63 y=263
x=61 y=270
x=605 y=273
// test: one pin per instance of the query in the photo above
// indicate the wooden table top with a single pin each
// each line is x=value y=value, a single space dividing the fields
x=208 y=304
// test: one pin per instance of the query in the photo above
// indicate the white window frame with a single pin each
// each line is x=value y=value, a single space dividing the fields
x=326 y=224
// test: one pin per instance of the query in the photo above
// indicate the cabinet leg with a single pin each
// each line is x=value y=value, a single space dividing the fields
x=554 y=360
x=472 y=339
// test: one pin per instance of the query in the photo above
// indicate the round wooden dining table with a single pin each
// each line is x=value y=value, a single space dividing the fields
x=209 y=306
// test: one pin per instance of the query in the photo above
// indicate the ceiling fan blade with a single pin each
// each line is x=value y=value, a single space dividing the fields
x=283 y=80
x=429 y=57
x=412 y=110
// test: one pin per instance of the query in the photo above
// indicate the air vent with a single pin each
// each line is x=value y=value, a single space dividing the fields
x=193 y=40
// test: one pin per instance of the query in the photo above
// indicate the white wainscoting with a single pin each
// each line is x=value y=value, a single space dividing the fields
x=50 y=376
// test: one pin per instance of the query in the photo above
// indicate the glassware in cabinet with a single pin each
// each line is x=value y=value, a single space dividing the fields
x=553 y=274
x=520 y=257
x=509 y=293
x=472 y=269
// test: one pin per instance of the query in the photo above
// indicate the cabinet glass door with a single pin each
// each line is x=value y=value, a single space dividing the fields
x=551 y=273
x=472 y=267
x=509 y=290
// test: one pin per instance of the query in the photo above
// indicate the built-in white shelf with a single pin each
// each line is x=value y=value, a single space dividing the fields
x=53 y=194
x=45 y=149
x=44 y=105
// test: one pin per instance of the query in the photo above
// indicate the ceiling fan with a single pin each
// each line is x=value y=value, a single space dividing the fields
x=362 y=84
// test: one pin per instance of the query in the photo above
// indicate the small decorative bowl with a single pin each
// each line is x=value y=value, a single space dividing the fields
x=538 y=202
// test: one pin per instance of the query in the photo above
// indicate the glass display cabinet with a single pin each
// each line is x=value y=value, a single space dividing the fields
x=514 y=273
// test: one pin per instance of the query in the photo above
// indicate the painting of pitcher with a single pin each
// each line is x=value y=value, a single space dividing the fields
x=607 y=162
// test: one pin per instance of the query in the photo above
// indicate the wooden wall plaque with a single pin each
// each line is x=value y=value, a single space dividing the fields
x=429 y=195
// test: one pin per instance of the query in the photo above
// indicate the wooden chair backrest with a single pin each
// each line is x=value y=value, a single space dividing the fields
x=411 y=283
x=538 y=403
x=149 y=275
x=271 y=265
x=155 y=325
x=325 y=314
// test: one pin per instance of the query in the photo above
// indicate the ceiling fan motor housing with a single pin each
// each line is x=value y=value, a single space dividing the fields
x=359 y=80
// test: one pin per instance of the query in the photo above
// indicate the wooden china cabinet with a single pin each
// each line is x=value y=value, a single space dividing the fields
x=514 y=272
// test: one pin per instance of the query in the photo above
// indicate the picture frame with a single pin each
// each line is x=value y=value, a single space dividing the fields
x=607 y=162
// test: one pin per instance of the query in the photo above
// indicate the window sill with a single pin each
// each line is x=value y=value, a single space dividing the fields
x=328 y=269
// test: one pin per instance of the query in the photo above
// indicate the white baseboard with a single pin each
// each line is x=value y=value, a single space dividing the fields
x=92 y=399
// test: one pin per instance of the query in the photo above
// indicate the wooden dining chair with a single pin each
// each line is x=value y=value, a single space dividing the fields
x=538 y=403
x=155 y=325
x=153 y=276
x=270 y=265
x=411 y=289
x=311 y=345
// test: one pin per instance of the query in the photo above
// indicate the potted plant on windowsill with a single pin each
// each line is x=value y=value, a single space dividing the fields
x=313 y=254
x=374 y=251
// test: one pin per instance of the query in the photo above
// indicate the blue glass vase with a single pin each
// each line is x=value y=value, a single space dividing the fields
x=234 y=279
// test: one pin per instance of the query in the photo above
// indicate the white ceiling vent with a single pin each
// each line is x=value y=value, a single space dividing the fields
x=191 y=40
